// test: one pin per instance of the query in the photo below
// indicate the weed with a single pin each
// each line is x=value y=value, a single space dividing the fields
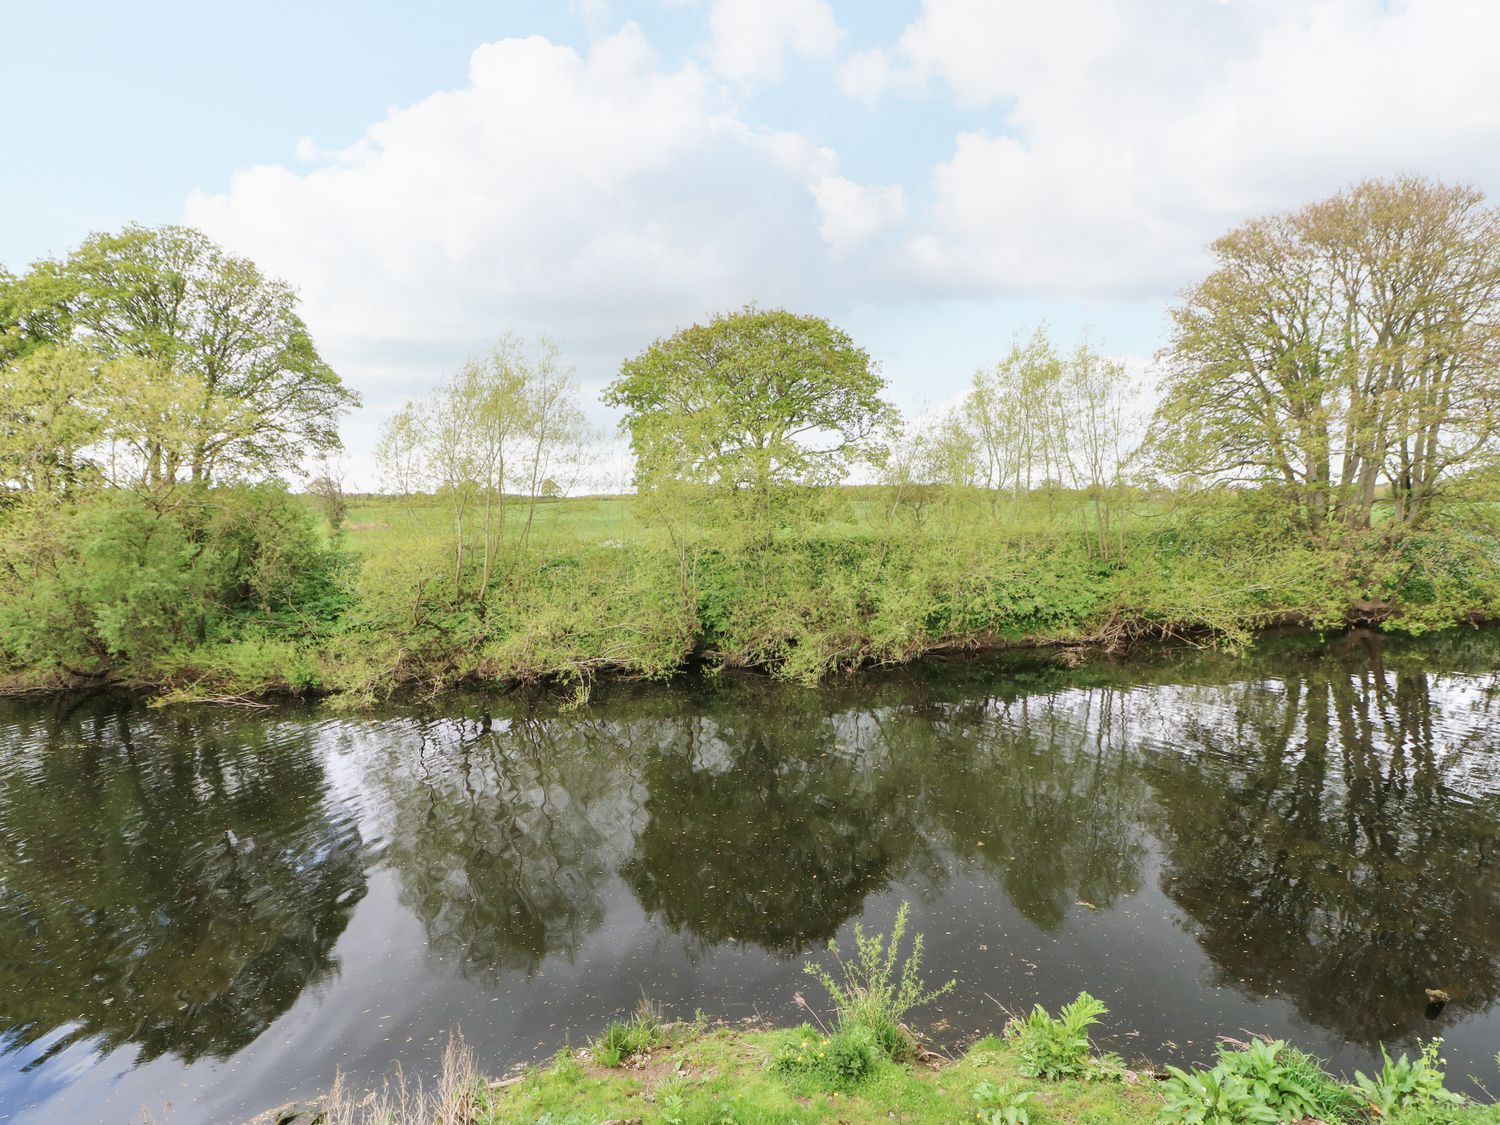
x=1290 y=1083
x=1059 y=1048
x=1211 y=1097
x=1407 y=1083
x=670 y=1102
x=839 y=1061
x=1000 y=1105
x=624 y=1039
x=877 y=987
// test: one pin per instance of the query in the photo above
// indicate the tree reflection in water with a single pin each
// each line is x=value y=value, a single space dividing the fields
x=504 y=833
x=1324 y=820
x=771 y=826
x=1332 y=835
x=1042 y=792
x=166 y=881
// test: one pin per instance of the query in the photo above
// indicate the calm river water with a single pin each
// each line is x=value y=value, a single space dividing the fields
x=217 y=909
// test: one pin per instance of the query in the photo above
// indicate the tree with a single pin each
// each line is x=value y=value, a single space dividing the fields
x=328 y=489
x=1018 y=411
x=500 y=427
x=213 y=344
x=1042 y=418
x=50 y=414
x=752 y=401
x=1355 y=339
x=1095 y=386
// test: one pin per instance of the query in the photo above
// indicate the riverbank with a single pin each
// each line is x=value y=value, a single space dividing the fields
x=737 y=1075
x=603 y=588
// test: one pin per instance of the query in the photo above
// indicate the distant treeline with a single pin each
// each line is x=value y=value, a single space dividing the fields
x=1319 y=445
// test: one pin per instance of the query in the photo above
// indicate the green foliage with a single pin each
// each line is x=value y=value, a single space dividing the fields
x=1407 y=1083
x=754 y=400
x=625 y=1039
x=118 y=583
x=1000 y=1105
x=840 y=1061
x=875 y=989
x=211 y=372
x=741 y=1076
x=1058 y=1048
x=1211 y=1097
x=1286 y=1081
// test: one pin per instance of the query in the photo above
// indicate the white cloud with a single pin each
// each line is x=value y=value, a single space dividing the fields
x=751 y=38
x=607 y=197
x=1127 y=135
x=866 y=75
x=853 y=213
x=600 y=198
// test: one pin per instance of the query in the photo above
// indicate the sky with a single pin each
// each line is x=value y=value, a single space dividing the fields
x=935 y=176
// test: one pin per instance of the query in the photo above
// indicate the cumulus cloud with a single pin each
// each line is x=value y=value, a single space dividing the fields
x=601 y=198
x=752 y=38
x=1126 y=135
x=607 y=197
x=853 y=213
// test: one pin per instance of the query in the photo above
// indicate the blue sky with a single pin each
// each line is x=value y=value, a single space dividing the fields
x=937 y=175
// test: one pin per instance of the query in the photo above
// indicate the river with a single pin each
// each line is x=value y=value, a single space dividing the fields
x=207 y=911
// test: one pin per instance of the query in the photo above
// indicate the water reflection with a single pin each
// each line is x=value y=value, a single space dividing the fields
x=166 y=883
x=504 y=833
x=1332 y=844
x=1042 y=793
x=1324 y=821
x=771 y=826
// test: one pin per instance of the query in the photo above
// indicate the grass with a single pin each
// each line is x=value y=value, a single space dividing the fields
x=728 y=1076
x=608 y=585
x=614 y=585
x=626 y=1040
x=693 y=1074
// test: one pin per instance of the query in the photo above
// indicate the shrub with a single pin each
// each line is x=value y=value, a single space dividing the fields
x=1058 y=1048
x=878 y=986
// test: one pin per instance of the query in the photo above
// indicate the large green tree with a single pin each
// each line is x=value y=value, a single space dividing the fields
x=1354 y=341
x=207 y=369
x=752 y=400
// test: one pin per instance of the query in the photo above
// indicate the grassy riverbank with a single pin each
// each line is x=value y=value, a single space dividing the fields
x=244 y=592
x=695 y=1075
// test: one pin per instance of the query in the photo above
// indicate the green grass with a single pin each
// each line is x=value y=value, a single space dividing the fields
x=622 y=586
x=723 y=1076
x=613 y=585
x=728 y=1076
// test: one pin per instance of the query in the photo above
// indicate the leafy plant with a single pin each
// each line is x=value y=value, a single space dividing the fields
x=878 y=986
x=1211 y=1097
x=1000 y=1105
x=1407 y=1083
x=1057 y=1048
x=1286 y=1081
x=839 y=1061
x=673 y=1107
